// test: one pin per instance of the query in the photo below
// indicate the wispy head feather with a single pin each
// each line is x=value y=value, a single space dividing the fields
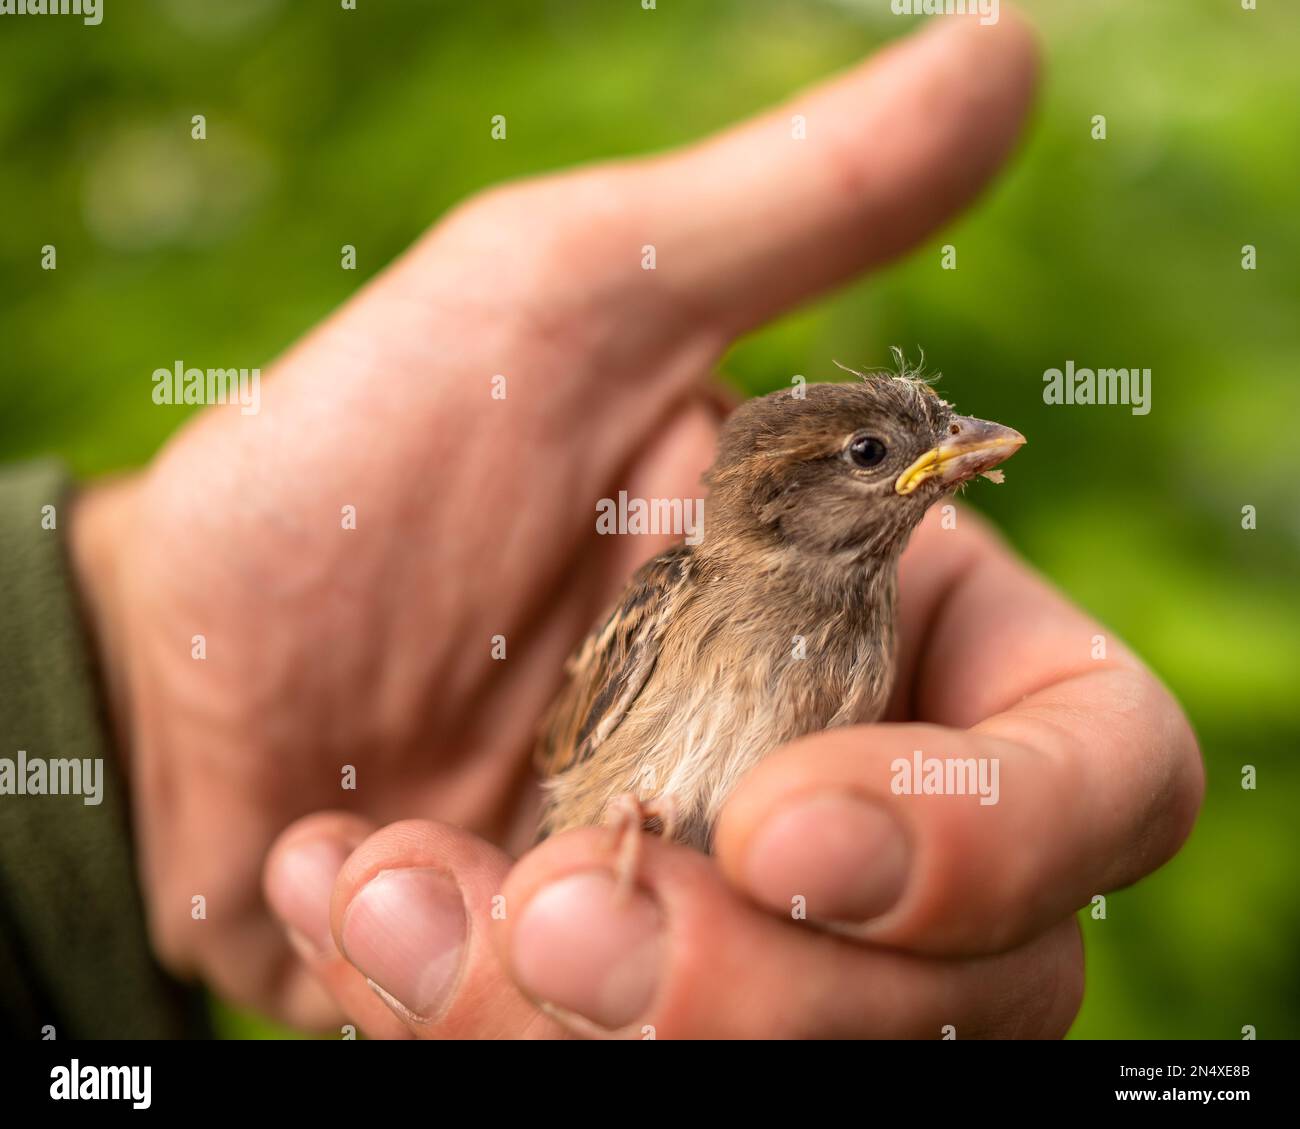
x=904 y=372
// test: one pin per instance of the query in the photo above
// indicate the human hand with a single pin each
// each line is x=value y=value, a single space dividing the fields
x=835 y=908
x=371 y=647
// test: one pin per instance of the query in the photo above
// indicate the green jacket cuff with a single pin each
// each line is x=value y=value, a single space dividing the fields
x=74 y=955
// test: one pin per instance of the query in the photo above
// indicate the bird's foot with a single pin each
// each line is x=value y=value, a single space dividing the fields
x=625 y=819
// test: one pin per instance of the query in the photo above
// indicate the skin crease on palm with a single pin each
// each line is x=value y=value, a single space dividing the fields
x=371 y=647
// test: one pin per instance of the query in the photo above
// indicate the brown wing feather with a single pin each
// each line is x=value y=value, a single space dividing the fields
x=613 y=665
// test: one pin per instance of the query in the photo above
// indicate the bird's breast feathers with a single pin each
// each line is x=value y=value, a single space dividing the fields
x=728 y=684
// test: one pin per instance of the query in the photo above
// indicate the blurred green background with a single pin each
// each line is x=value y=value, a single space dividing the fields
x=329 y=127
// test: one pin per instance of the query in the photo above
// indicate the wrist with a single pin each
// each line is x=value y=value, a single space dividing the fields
x=96 y=530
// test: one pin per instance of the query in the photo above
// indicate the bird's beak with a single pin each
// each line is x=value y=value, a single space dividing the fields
x=975 y=447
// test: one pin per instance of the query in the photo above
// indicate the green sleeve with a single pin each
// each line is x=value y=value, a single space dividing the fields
x=74 y=955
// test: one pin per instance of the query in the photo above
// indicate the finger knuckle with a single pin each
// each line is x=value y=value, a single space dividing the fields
x=1066 y=988
x=1046 y=1000
x=545 y=220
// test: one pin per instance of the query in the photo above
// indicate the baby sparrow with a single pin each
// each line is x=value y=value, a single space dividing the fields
x=779 y=622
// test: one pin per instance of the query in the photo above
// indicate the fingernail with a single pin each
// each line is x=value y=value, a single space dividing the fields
x=578 y=948
x=846 y=856
x=300 y=887
x=405 y=931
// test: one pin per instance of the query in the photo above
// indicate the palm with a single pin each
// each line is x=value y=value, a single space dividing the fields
x=372 y=646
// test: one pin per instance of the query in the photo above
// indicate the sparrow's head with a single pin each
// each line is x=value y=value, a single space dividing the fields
x=846 y=468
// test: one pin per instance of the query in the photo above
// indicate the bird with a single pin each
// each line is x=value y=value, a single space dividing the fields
x=778 y=620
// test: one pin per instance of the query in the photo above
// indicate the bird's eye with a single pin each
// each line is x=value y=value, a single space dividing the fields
x=866 y=451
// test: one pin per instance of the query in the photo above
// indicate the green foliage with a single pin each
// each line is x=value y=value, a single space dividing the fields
x=329 y=127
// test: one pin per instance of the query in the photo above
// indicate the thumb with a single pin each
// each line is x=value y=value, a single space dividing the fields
x=845 y=176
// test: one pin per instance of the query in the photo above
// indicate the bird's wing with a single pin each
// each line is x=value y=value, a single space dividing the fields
x=613 y=664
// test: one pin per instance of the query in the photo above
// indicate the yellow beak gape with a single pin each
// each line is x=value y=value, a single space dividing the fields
x=927 y=466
